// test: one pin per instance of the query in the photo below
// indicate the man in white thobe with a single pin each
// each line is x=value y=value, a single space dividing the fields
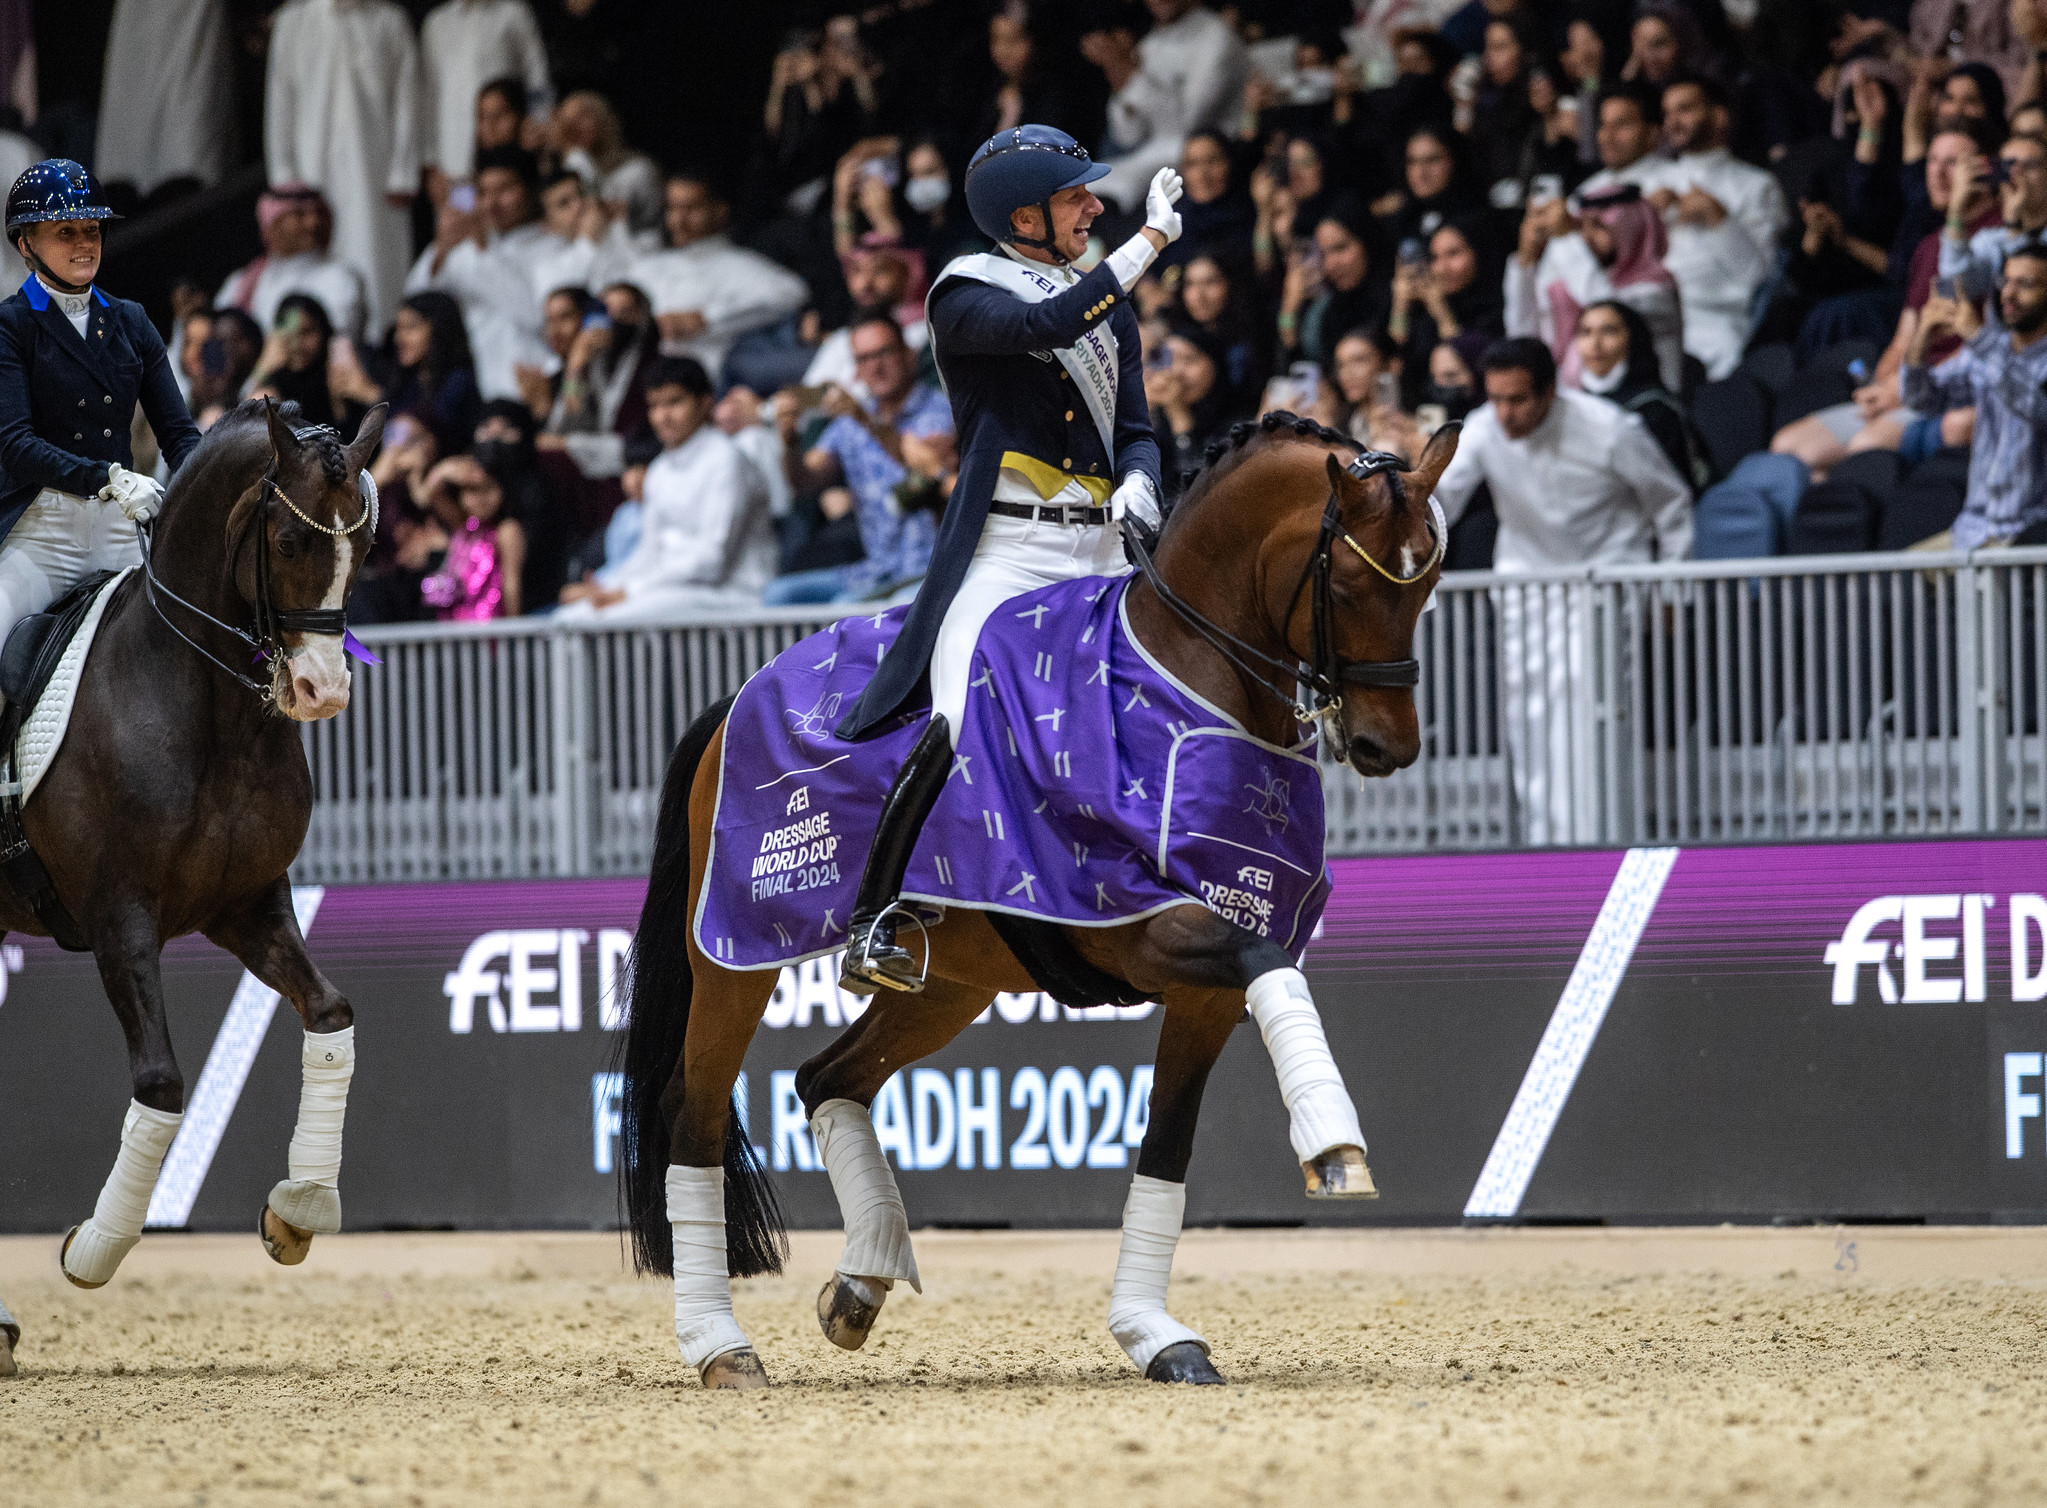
x=1630 y=121
x=489 y=261
x=1188 y=72
x=707 y=292
x=463 y=45
x=1724 y=219
x=296 y=225
x=707 y=539
x=167 y=107
x=341 y=112
x=1575 y=481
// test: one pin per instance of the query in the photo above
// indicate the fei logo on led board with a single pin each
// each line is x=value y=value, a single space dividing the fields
x=1927 y=950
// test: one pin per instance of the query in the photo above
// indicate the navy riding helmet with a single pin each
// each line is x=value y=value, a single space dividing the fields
x=1021 y=167
x=55 y=189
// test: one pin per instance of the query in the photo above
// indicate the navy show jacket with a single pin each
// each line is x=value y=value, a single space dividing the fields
x=67 y=401
x=1009 y=393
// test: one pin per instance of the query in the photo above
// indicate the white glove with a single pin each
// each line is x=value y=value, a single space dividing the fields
x=139 y=496
x=1159 y=199
x=1134 y=495
x=1130 y=260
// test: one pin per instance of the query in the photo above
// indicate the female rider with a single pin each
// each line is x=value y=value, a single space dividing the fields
x=73 y=365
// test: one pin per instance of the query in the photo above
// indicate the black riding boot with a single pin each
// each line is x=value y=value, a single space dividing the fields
x=873 y=957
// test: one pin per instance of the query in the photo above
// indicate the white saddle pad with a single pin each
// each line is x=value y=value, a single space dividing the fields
x=43 y=731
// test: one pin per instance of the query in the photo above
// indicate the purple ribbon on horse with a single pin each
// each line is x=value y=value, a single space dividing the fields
x=1089 y=787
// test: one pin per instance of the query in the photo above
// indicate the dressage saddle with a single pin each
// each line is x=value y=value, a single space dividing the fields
x=34 y=648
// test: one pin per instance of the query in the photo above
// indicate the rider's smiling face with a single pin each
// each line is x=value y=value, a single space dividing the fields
x=69 y=248
x=1073 y=216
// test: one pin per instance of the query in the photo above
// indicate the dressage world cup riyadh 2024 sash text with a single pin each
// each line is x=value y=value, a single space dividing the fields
x=1089 y=787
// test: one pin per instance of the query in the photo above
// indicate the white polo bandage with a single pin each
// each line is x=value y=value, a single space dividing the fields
x=704 y=1326
x=877 y=1227
x=8 y=1327
x=310 y=1198
x=96 y=1251
x=1144 y=1266
x=1319 y=1112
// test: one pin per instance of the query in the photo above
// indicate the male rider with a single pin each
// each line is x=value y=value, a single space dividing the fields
x=1042 y=365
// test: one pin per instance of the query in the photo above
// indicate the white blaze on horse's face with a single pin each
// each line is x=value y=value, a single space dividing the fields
x=319 y=666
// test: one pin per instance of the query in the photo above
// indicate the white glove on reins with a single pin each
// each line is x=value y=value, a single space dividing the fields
x=1129 y=260
x=1134 y=496
x=139 y=496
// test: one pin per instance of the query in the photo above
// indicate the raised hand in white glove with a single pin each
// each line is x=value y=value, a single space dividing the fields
x=139 y=496
x=1159 y=199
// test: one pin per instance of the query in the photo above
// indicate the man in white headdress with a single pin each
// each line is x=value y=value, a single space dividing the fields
x=167 y=109
x=341 y=112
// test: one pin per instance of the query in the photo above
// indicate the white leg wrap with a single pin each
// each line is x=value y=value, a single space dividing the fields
x=8 y=1327
x=877 y=1227
x=1137 y=1303
x=116 y=1224
x=1319 y=1112
x=704 y=1326
x=311 y=1199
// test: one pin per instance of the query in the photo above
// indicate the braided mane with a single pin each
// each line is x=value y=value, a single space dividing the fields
x=1279 y=423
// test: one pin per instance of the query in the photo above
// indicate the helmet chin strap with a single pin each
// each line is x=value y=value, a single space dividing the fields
x=1044 y=242
x=42 y=269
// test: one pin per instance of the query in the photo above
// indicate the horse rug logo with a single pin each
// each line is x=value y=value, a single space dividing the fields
x=1088 y=788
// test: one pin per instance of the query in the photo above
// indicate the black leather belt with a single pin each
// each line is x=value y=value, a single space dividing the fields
x=1047 y=514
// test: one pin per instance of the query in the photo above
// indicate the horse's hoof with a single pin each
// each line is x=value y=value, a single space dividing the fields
x=7 y=1367
x=735 y=1369
x=1185 y=1362
x=1339 y=1173
x=285 y=1242
x=64 y=1251
x=846 y=1309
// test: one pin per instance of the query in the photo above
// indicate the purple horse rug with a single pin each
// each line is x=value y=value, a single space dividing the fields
x=1089 y=788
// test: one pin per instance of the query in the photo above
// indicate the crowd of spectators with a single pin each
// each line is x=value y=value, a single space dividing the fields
x=1710 y=278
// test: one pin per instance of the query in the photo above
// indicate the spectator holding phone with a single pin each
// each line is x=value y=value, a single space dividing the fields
x=2001 y=371
x=1329 y=285
x=1613 y=250
x=1453 y=287
x=293 y=365
x=1975 y=263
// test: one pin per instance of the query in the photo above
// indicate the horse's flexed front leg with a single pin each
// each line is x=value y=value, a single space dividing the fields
x=265 y=936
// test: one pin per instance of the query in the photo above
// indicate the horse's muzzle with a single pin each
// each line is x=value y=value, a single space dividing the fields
x=315 y=684
x=1372 y=759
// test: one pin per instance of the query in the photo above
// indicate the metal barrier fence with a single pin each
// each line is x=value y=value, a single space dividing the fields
x=1721 y=702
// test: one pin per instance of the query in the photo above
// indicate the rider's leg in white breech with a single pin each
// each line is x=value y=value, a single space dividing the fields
x=54 y=545
x=93 y=1253
x=1014 y=556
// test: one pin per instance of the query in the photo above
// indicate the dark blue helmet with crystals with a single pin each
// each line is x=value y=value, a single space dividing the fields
x=1024 y=166
x=55 y=189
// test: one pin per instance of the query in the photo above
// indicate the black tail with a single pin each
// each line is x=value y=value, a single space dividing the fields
x=657 y=1002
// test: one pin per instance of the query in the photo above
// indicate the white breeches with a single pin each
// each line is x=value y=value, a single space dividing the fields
x=56 y=544
x=116 y=1223
x=1144 y=1267
x=1015 y=556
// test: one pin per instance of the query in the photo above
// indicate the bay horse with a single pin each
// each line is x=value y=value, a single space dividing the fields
x=180 y=795
x=1228 y=608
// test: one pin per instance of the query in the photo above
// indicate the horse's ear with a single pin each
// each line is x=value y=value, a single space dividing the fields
x=363 y=448
x=282 y=441
x=1435 y=460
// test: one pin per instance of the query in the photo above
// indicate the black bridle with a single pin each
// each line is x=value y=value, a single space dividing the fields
x=1321 y=671
x=265 y=639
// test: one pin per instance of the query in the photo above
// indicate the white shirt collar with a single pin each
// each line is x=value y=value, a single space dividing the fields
x=1603 y=385
x=73 y=304
x=1064 y=271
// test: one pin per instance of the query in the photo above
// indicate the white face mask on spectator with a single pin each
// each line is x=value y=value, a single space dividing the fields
x=927 y=194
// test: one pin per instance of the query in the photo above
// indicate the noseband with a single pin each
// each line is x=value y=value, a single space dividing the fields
x=266 y=641
x=1321 y=671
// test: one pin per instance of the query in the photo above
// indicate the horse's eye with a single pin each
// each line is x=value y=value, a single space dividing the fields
x=287 y=546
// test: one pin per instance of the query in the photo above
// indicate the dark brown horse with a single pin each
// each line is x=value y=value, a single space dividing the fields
x=180 y=795
x=1251 y=532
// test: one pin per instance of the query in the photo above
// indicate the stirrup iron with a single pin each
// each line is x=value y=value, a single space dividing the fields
x=888 y=966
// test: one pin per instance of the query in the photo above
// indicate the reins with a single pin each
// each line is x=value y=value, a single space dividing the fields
x=266 y=643
x=1321 y=671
